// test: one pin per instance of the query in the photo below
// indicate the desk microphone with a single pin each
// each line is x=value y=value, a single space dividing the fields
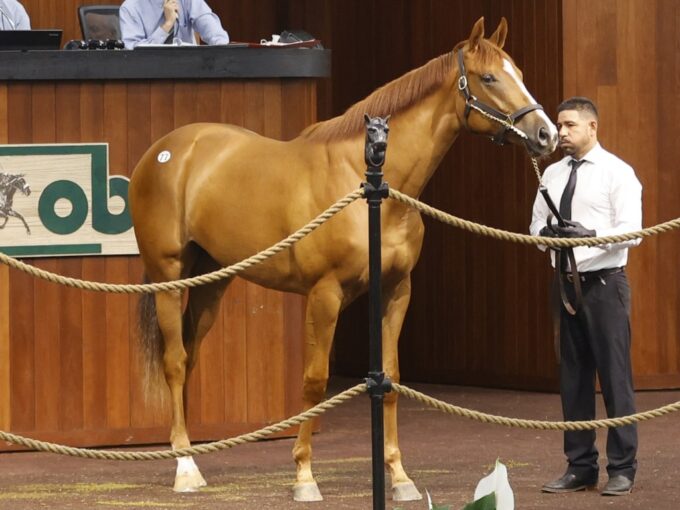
x=3 y=14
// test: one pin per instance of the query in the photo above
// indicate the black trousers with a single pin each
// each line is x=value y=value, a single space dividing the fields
x=597 y=340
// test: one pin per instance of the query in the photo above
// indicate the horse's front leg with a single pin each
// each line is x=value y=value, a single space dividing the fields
x=395 y=303
x=4 y=222
x=323 y=306
x=169 y=309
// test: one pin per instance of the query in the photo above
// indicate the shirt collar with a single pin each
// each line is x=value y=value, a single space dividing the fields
x=594 y=155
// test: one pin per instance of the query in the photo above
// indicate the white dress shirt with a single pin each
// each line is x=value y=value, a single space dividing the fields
x=607 y=199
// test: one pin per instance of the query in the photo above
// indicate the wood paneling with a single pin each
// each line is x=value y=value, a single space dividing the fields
x=4 y=350
x=624 y=55
x=69 y=365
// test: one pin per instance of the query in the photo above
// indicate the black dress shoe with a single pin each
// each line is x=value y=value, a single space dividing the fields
x=618 y=486
x=569 y=483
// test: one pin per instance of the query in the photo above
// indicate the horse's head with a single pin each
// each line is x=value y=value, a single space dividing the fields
x=376 y=140
x=19 y=183
x=494 y=100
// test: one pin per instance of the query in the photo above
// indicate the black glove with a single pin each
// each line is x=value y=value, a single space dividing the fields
x=573 y=229
x=547 y=231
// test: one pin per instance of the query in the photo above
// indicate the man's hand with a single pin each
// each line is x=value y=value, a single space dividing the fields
x=547 y=231
x=572 y=229
x=171 y=13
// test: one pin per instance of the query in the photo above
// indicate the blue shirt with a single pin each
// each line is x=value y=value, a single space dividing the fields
x=141 y=20
x=13 y=16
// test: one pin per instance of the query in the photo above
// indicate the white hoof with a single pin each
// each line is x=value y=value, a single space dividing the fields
x=405 y=491
x=307 y=491
x=188 y=477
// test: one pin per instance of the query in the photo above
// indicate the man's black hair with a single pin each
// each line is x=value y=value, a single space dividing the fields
x=581 y=104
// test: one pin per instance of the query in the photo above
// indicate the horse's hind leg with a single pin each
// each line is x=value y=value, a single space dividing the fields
x=201 y=309
x=174 y=361
x=323 y=306
x=396 y=300
x=169 y=313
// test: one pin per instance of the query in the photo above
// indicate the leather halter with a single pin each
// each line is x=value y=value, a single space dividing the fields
x=471 y=102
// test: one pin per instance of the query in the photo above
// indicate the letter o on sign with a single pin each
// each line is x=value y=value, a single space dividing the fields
x=67 y=190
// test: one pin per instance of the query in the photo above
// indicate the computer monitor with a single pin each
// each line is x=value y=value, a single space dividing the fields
x=30 y=39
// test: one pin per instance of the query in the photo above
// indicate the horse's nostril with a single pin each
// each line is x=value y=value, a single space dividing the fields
x=543 y=136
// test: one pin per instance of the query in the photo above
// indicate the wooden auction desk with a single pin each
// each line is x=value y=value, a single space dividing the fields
x=69 y=363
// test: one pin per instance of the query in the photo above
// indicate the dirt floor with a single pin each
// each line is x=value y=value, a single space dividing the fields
x=444 y=454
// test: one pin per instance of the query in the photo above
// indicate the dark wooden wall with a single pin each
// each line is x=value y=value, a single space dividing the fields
x=479 y=312
x=624 y=55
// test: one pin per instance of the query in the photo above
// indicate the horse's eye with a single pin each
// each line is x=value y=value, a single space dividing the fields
x=488 y=78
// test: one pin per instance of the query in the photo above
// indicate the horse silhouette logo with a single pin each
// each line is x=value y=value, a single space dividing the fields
x=9 y=185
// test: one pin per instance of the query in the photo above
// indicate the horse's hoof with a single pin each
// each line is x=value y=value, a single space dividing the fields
x=307 y=491
x=405 y=491
x=189 y=483
x=188 y=477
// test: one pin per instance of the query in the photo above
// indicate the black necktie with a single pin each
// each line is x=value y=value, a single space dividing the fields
x=565 y=204
x=171 y=36
x=568 y=193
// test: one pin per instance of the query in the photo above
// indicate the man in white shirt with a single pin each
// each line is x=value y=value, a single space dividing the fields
x=13 y=16
x=162 y=21
x=599 y=195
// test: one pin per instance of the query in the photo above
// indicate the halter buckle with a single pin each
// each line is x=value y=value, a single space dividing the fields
x=462 y=83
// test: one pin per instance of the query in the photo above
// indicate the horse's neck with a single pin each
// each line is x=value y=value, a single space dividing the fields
x=419 y=138
x=8 y=196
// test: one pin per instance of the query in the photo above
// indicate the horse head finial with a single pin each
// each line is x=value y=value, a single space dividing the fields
x=376 y=140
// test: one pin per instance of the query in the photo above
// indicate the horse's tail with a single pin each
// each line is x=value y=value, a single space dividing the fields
x=151 y=343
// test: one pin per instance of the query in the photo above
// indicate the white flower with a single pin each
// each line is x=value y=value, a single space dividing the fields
x=497 y=482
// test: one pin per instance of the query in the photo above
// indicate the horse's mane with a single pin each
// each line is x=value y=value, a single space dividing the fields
x=395 y=96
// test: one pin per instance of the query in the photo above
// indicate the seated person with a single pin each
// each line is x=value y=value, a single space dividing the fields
x=13 y=16
x=102 y=26
x=161 y=21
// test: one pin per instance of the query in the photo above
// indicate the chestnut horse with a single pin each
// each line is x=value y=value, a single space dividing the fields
x=191 y=215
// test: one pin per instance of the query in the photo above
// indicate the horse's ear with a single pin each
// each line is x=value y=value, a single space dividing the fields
x=367 y=119
x=387 y=119
x=476 y=35
x=498 y=37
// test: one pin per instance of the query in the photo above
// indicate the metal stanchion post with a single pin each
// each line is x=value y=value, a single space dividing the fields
x=375 y=190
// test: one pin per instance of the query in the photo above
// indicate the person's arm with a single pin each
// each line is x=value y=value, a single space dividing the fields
x=21 y=20
x=539 y=218
x=626 y=201
x=132 y=29
x=206 y=23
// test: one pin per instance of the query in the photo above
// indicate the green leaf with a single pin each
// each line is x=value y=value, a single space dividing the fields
x=488 y=502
